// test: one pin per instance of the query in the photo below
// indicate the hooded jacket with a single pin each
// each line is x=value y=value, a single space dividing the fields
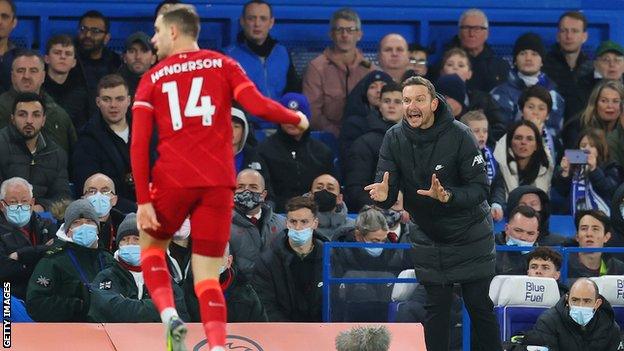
x=246 y=154
x=617 y=218
x=332 y=222
x=456 y=243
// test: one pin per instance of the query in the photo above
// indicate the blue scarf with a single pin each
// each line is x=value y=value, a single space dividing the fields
x=550 y=143
x=490 y=163
x=583 y=196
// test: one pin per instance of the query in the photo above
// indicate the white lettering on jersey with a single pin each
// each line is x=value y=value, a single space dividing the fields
x=188 y=66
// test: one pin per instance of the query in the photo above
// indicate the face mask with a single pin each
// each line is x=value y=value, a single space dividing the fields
x=581 y=315
x=85 y=235
x=101 y=203
x=325 y=200
x=131 y=254
x=392 y=217
x=18 y=216
x=299 y=237
x=516 y=242
x=374 y=251
x=247 y=200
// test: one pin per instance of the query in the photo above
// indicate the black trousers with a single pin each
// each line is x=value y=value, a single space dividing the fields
x=485 y=334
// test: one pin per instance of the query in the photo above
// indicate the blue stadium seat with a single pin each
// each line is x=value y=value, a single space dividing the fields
x=559 y=224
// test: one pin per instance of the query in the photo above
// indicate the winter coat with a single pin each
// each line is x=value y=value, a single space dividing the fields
x=617 y=218
x=91 y=71
x=45 y=169
x=556 y=330
x=616 y=145
x=29 y=250
x=6 y=61
x=326 y=84
x=332 y=222
x=72 y=96
x=509 y=262
x=57 y=291
x=248 y=242
x=456 y=243
x=289 y=287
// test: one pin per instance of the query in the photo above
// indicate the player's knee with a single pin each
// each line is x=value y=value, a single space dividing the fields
x=208 y=248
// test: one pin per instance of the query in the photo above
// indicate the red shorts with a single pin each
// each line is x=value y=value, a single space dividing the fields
x=210 y=210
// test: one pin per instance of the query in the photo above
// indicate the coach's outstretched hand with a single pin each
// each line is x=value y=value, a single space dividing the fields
x=146 y=217
x=379 y=191
x=304 y=123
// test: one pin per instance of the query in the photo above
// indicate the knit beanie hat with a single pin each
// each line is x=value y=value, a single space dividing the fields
x=529 y=41
x=81 y=208
x=297 y=102
x=452 y=86
x=127 y=227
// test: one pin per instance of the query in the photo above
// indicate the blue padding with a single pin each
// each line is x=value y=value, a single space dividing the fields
x=18 y=311
x=517 y=319
x=619 y=315
x=499 y=226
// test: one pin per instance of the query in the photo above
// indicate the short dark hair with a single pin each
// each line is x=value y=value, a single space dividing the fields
x=391 y=86
x=525 y=211
x=577 y=15
x=28 y=53
x=111 y=81
x=418 y=80
x=185 y=16
x=538 y=92
x=258 y=2
x=417 y=47
x=28 y=97
x=12 y=6
x=59 y=39
x=299 y=202
x=98 y=15
x=547 y=254
x=599 y=215
x=455 y=51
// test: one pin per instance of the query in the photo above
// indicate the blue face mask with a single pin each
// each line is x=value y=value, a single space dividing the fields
x=581 y=315
x=517 y=242
x=101 y=203
x=131 y=254
x=85 y=235
x=374 y=251
x=18 y=215
x=299 y=237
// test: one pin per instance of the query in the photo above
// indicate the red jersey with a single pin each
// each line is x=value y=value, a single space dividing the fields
x=189 y=97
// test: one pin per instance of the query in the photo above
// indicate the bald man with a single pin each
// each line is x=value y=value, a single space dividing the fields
x=254 y=225
x=332 y=211
x=394 y=56
x=581 y=320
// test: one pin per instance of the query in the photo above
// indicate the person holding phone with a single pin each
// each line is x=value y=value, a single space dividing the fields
x=586 y=176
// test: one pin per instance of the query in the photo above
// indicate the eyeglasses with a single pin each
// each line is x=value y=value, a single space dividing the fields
x=348 y=30
x=93 y=191
x=93 y=30
x=473 y=28
x=609 y=61
x=14 y=207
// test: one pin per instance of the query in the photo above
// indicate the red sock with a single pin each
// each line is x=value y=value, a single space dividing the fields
x=213 y=310
x=157 y=278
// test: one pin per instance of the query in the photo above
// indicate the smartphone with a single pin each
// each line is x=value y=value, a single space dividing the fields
x=576 y=156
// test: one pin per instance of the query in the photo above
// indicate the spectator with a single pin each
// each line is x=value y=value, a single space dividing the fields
x=58 y=290
x=288 y=277
x=99 y=189
x=8 y=13
x=332 y=210
x=546 y=263
x=104 y=143
x=418 y=56
x=118 y=293
x=488 y=69
x=522 y=159
x=364 y=338
x=266 y=62
x=478 y=124
x=293 y=158
x=400 y=227
x=521 y=230
x=254 y=224
x=603 y=110
x=453 y=88
x=26 y=153
x=593 y=229
x=456 y=61
x=24 y=235
x=615 y=139
x=137 y=59
x=617 y=217
x=528 y=53
x=94 y=59
x=244 y=144
x=582 y=320
x=608 y=65
x=538 y=200
x=566 y=64
x=393 y=57
x=535 y=105
x=331 y=76
x=243 y=303
x=360 y=163
x=27 y=75
x=66 y=89
x=590 y=185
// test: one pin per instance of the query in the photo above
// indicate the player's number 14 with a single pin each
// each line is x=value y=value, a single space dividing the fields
x=196 y=106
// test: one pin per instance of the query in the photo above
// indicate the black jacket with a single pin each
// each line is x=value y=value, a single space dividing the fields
x=46 y=169
x=293 y=164
x=617 y=221
x=479 y=100
x=72 y=96
x=457 y=244
x=509 y=262
x=559 y=332
x=131 y=78
x=91 y=71
x=29 y=251
x=289 y=287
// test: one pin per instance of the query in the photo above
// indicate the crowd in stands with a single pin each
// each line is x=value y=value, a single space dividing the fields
x=68 y=237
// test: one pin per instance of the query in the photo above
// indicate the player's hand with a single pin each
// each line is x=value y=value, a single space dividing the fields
x=436 y=191
x=379 y=191
x=303 y=123
x=146 y=217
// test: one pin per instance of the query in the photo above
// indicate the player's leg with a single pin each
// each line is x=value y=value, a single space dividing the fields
x=210 y=232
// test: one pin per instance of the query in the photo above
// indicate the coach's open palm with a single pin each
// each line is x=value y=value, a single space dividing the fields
x=379 y=191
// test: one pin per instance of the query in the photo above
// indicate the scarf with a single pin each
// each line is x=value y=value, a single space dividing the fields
x=584 y=197
x=490 y=164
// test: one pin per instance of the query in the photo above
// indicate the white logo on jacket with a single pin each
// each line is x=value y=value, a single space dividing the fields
x=478 y=160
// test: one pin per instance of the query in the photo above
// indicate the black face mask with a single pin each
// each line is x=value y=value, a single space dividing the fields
x=247 y=200
x=325 y=200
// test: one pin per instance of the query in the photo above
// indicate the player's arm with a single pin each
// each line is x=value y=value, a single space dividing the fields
x=258 y=105
x=142 y=126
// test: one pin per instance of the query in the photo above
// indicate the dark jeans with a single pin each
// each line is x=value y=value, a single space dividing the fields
x=485 y=335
